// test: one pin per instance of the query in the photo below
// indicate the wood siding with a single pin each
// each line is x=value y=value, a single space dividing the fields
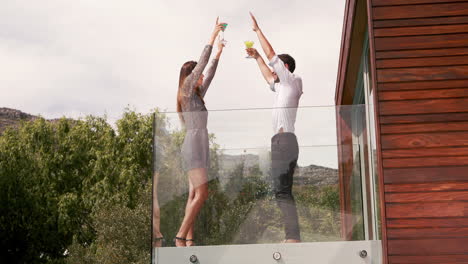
x=421 y=65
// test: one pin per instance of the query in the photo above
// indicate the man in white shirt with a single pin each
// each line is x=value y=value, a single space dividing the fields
x=284 y=146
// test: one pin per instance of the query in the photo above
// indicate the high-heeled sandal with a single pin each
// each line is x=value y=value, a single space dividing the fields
x=178 y=238
x=157 y=239
x=190 y=240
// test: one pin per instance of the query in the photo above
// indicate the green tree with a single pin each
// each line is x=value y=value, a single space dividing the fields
x=123 y=234
x=45 y=169
x=79 y=191
x=123 y=222
x=58 y=178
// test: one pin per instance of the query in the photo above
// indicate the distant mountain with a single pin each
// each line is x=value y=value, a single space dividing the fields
x=12 y=117
x=307 y=175
x=316 y=175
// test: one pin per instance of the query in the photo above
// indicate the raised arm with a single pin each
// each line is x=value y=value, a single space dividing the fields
x=212 y=69
x=267 y=48
x=266 y=71
x=191 y=80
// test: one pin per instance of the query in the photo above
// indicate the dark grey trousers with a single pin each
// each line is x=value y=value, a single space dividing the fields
x=284 y=155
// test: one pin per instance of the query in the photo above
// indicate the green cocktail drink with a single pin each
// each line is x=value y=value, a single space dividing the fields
x=222 y=33
x=248 y=45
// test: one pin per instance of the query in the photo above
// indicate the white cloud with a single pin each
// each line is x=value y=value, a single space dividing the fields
x=95 y=56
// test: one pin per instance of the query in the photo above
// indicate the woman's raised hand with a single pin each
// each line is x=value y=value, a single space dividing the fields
x=217 y=29
x=220 y=44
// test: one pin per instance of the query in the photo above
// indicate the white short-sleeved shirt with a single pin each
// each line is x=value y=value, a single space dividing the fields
x=288 y=92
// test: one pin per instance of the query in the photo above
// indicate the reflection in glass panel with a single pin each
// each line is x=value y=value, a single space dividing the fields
x=373 y=155
x=241 y=206
x=365 y=142
x=358 y=204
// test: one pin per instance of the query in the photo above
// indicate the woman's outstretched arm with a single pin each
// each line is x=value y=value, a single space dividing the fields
x=191 y=80
x=212 y=69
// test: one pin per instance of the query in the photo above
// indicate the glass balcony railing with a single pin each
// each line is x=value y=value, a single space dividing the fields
x=249 y=180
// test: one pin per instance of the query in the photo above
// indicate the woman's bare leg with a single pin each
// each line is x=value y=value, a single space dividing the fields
x=157 y=235
x=189 y=203
x=190 y=242
x=198 y=177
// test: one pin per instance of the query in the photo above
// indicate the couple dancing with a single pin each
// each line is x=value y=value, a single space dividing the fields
x=193 y=86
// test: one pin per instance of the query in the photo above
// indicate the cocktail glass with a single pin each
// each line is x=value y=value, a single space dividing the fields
x=249 y=44
x=222 y=33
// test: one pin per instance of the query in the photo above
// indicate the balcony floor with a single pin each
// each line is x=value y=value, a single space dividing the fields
x=315 y=253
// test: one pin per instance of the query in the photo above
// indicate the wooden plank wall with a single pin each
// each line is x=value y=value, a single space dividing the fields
x=421 y=59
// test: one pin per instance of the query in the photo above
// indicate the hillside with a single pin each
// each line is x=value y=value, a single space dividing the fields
x=307 y=175
x=12 y=117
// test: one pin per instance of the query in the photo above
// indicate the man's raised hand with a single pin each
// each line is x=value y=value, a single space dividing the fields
x=255 y=26
x=253 y=53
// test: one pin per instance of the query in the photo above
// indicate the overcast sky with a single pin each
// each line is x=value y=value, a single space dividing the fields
x=73 y=58
x=63 y=57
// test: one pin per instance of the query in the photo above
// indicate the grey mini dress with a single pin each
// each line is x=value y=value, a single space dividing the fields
x=195 y=149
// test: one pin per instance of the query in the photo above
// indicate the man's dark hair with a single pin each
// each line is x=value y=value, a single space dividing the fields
x=287 y=59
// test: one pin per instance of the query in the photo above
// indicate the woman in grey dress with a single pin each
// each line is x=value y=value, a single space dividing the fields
x=195 y=150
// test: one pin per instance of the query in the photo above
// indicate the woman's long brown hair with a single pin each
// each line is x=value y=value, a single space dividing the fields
x=185 y=71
